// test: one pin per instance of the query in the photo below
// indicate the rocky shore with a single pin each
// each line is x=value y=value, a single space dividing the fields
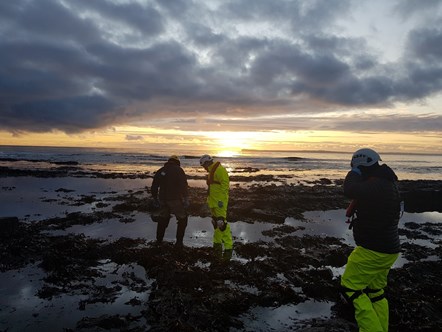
x=192 y=291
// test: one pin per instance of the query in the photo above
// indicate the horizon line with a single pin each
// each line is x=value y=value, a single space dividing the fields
x=345 y=152
x=242 y=150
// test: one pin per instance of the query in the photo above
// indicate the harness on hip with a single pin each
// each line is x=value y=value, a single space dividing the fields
x=369 y=291
x=359 y=292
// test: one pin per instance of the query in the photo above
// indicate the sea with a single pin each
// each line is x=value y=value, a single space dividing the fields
x=37 y=195
x=283 y=166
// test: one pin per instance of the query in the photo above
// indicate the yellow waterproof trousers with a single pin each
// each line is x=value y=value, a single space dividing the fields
x=222 y=237
x=364 y=280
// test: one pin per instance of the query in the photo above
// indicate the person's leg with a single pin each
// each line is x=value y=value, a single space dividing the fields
x=177 y=208
x=163 y=221
x=222 y=235
x=161 y=228
x=217 y=233
x=181 y=229
x=357 y=276
x=226 y=238
x=217 y=243
x=227 y=255
x=365 y=315
x=380 y=306
x=376 y=294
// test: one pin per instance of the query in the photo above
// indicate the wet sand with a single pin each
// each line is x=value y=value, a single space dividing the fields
x=57 y=276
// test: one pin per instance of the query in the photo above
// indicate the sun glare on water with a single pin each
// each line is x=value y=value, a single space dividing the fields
x=227 y=154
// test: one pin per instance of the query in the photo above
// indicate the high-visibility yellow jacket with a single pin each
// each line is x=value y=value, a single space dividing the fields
x=218 y=182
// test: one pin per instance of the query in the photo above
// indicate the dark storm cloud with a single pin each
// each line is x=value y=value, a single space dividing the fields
x=43 y=20
x=79 y=65
x=88 y=112
x=426 y=44
x=146 y=19
x=164 y=69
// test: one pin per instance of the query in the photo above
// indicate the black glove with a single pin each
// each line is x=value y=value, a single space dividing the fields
x=219 y=222
x=214 y=224
x=222 y=225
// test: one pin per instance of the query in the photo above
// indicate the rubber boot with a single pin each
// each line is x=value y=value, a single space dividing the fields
x=181 y=229
x=227 y=255
x=218 y=250
x=161 y=228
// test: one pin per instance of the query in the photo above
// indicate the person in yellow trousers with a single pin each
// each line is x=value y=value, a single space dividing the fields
x=376 y=204
x=217 y=200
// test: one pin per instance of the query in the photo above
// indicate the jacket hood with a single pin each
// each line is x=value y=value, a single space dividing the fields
x=172 y=162
x=383 y=171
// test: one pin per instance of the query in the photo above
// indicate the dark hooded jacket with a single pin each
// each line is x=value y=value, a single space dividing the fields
x=377 y=208
x=171 y=182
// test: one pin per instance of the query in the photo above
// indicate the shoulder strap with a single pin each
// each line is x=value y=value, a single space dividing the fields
x=211 y=180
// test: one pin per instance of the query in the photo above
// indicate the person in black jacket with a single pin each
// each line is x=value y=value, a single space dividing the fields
x=376 y=203
x=170 y=192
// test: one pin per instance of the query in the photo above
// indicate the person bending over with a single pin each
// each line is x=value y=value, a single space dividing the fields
x=217 y=200
x=170 y=192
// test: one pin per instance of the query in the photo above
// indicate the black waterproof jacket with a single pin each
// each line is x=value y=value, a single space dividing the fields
x=171 y=182
x=377 y=209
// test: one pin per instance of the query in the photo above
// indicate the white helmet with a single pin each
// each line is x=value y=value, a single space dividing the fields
x=206 y=159
x=364 y=157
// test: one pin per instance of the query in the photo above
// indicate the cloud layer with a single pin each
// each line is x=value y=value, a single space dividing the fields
x=75 y=65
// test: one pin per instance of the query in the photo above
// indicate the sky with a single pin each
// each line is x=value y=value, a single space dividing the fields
x=220 y=75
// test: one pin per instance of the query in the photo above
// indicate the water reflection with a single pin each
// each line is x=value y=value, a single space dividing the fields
x=285 y=317
x=324 y=223
x=332 y=223
x=21 y=308
x=18 y=288
x=199 y=231
x=41 y=198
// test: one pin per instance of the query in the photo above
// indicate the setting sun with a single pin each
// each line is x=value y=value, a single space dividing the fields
x=229 y=144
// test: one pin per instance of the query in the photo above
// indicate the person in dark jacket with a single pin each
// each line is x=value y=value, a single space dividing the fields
x=170 y=192
x=376 y=202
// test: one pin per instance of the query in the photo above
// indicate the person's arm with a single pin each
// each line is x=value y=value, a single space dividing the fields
x=358 y=187
x=155 y=185
x=184 y=186
x=223 y=178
